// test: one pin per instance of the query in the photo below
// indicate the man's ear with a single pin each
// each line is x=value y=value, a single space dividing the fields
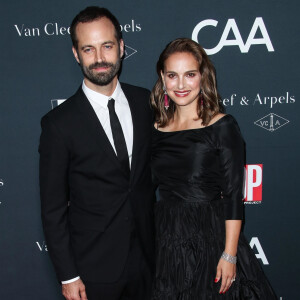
x=75 y=54
x=121 y=48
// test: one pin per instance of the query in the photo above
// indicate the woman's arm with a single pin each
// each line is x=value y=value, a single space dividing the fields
x=232 y=165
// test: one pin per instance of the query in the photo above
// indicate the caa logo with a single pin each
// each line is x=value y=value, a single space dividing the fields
x=253 y=184
x=238 y=41
x=260 y=252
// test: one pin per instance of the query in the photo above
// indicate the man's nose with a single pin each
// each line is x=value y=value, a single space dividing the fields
x=98 y=55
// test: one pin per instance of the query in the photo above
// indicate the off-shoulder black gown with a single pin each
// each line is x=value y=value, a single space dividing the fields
x=199 y=173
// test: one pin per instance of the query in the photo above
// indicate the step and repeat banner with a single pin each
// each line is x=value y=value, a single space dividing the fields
x=254 y=46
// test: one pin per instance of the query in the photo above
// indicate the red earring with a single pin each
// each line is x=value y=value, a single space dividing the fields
x=166 y=99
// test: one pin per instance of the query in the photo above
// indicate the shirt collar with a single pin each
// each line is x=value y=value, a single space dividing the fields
x=101 y=99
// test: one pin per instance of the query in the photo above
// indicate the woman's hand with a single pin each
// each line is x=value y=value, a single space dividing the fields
x=226 y=272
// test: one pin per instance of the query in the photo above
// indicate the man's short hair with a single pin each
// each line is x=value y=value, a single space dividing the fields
x=92 y=13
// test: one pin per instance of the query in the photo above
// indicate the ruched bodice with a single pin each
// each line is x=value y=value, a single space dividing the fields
x=199 y=174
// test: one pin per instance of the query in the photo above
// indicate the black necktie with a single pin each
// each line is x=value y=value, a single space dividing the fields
x=118 y=136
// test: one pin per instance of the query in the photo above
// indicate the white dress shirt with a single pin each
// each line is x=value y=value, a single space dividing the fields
x=99 y=103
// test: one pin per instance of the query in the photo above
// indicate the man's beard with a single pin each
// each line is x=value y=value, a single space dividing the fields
x=101 y=78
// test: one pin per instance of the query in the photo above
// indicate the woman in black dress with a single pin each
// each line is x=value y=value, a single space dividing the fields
x=198 y=164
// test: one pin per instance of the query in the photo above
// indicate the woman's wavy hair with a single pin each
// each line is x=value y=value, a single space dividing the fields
x=211 y=97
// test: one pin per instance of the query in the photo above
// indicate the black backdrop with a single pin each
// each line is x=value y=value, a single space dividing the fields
x=256 y=61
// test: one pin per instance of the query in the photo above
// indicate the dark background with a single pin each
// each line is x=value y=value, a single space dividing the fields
x=36 y=69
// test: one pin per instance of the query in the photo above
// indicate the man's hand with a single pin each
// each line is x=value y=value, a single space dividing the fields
x=74 y=290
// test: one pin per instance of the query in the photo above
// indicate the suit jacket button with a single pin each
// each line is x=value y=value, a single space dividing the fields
x=129 y=190
x=126 y=219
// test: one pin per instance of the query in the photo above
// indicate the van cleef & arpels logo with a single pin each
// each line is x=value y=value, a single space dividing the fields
x=271 y=122
x=53 y=29
x=259 y=99
x=56 y=29
x=42 y=246
x=129 y=51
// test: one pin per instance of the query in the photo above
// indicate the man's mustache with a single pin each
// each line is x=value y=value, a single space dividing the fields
x=100 y=65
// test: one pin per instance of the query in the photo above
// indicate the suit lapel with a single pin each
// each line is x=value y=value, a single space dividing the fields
x=137 y=133
x=95 y=128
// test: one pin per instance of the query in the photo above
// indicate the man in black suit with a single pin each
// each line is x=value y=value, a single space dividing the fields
x=96 y=190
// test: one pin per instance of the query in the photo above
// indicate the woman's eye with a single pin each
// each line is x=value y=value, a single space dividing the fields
x=191 y=74
x=171 y=75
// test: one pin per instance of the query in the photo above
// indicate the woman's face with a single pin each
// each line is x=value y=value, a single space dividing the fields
x=182 y=78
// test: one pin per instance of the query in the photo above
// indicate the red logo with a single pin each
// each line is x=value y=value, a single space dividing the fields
x=253 y=183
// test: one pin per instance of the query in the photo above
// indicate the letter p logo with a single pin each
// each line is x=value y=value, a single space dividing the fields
x=253 y=183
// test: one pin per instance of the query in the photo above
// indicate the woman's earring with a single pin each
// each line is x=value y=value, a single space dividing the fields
x=166 y=98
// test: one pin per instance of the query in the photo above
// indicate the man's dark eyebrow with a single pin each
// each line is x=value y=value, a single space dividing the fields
x=86 y=46
x=104 y=43
x=108 y=42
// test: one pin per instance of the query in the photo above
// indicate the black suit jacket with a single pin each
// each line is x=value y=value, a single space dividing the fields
x=89 y=205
